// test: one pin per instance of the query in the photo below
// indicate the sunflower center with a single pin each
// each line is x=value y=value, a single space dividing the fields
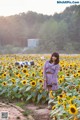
x=24 y=82
x=73 y=110
x=60 y=95
x=33 y=83
x=4 y=74
x=24 y=71
x=40 y=80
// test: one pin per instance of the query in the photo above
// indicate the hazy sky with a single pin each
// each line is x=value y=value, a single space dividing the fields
x=49 y=7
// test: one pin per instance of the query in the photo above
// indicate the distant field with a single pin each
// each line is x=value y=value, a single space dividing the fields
x=26 y=82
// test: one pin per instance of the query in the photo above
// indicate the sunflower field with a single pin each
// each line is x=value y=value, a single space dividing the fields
x=26 y=83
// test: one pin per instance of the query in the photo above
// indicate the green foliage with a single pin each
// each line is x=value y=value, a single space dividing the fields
x=60 y=32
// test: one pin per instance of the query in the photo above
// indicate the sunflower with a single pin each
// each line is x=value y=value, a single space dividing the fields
x=79 y=74
x=74 y=75
x=78 y=71
x=4 y=83
x=19 y=67
x=40 y=81
x=16 y=73
x=51 y=94
x=73 y=109
x=67 y=74
x=41 y=72
x=25 y=66
x=24 y=82
x=33 y=74
x=61 y=95
x=62 y=76
x=61 y=80
x=19 y=76
x=40 y=91
x=33 y=83
x=64 y=93
x=27 y=74
x=14 y=83
x=24 y=71
x=4 y=75
x=53 y=107
x=60 y=101
x=13 y=80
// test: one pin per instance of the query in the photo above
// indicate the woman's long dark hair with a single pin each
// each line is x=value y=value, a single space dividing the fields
x=57 y=56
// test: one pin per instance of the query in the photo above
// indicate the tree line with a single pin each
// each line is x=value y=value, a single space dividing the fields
x=58 y=32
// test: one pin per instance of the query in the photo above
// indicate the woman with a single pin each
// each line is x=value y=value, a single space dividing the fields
x=50 y=73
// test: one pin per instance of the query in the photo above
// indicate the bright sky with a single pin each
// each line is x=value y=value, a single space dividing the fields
x=49 y=7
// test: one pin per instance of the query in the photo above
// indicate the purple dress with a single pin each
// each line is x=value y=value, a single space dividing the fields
x=48 y=67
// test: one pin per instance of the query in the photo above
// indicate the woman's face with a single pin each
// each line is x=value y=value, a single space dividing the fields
x=54 y=58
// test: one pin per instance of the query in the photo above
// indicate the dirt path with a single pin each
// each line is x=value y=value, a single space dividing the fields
x=39 y=112
x=24 y=111
x=13 y=112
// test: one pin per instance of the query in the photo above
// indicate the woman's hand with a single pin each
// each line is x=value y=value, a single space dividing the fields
x=54 y=83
